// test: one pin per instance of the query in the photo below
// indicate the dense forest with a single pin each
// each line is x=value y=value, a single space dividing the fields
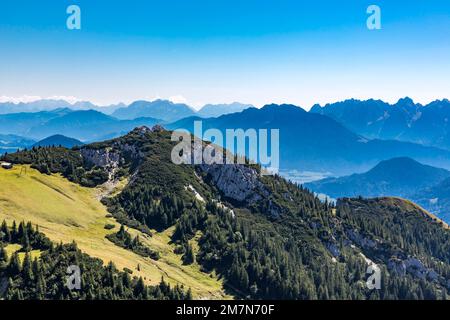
x=284 y=244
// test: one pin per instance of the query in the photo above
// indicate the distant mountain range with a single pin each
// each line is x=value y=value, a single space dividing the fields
x=11 y=143
x=85 y=125
x=216 y=110
x=159 y=109
x=313 y=142
x=58 y=140
x=169 y=111
x=309 y=141
x=401 y=177
x=404 y=121
x=50 y=104
x=21 y=123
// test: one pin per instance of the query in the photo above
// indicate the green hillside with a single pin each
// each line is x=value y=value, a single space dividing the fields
x=262 y=236
x=65 y=211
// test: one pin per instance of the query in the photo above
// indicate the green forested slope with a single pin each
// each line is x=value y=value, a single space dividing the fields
x=277 y=241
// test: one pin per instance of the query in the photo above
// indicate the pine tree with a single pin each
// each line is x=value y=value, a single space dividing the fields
x=139 y=288
x=189 y=294
x=188 y=257
x=3 y=256
x=5 y=234
x=27 y=271
x=14 y=266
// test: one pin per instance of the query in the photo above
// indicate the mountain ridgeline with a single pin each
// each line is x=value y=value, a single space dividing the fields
x=169 y=111
x=84 y=125
x=404 y=120
x=314 y=142
x=266 y=237
x=160 y=109
x=86 y=122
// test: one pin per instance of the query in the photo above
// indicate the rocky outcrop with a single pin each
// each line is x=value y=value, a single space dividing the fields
x=131 y=150
x=399 y=263
x=333 y=249
x=142 y=130
x=110 y=158
x=360 y=240
x=103 y=158
x=113 y=156
x=240 y=183
x=236 y=182
x=412 y=266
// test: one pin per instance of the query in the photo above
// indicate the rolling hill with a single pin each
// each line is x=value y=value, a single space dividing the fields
x=58 y=140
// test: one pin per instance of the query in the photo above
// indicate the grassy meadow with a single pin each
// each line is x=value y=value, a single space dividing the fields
x=65 y=211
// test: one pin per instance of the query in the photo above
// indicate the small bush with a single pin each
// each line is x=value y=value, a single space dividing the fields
x=129 y=271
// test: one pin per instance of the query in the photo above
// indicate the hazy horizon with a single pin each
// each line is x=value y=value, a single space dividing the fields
x=74 y=100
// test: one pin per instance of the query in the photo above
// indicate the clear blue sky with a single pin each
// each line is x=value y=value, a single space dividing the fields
x=201 y=51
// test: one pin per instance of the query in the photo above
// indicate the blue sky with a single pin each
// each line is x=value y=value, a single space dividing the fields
x=214 y=51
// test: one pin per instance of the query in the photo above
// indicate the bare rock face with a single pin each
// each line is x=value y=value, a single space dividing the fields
x=412 y=266
x=101 y=157
x=142 y=130
x=242 y=184
x=237 y=182
x=333 y=249
x=360 y=240
x=396 y=265
x=112 y=157
x=157 y=128
x=130 y=149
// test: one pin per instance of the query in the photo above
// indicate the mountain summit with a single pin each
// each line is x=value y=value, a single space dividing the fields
x=159 y=109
